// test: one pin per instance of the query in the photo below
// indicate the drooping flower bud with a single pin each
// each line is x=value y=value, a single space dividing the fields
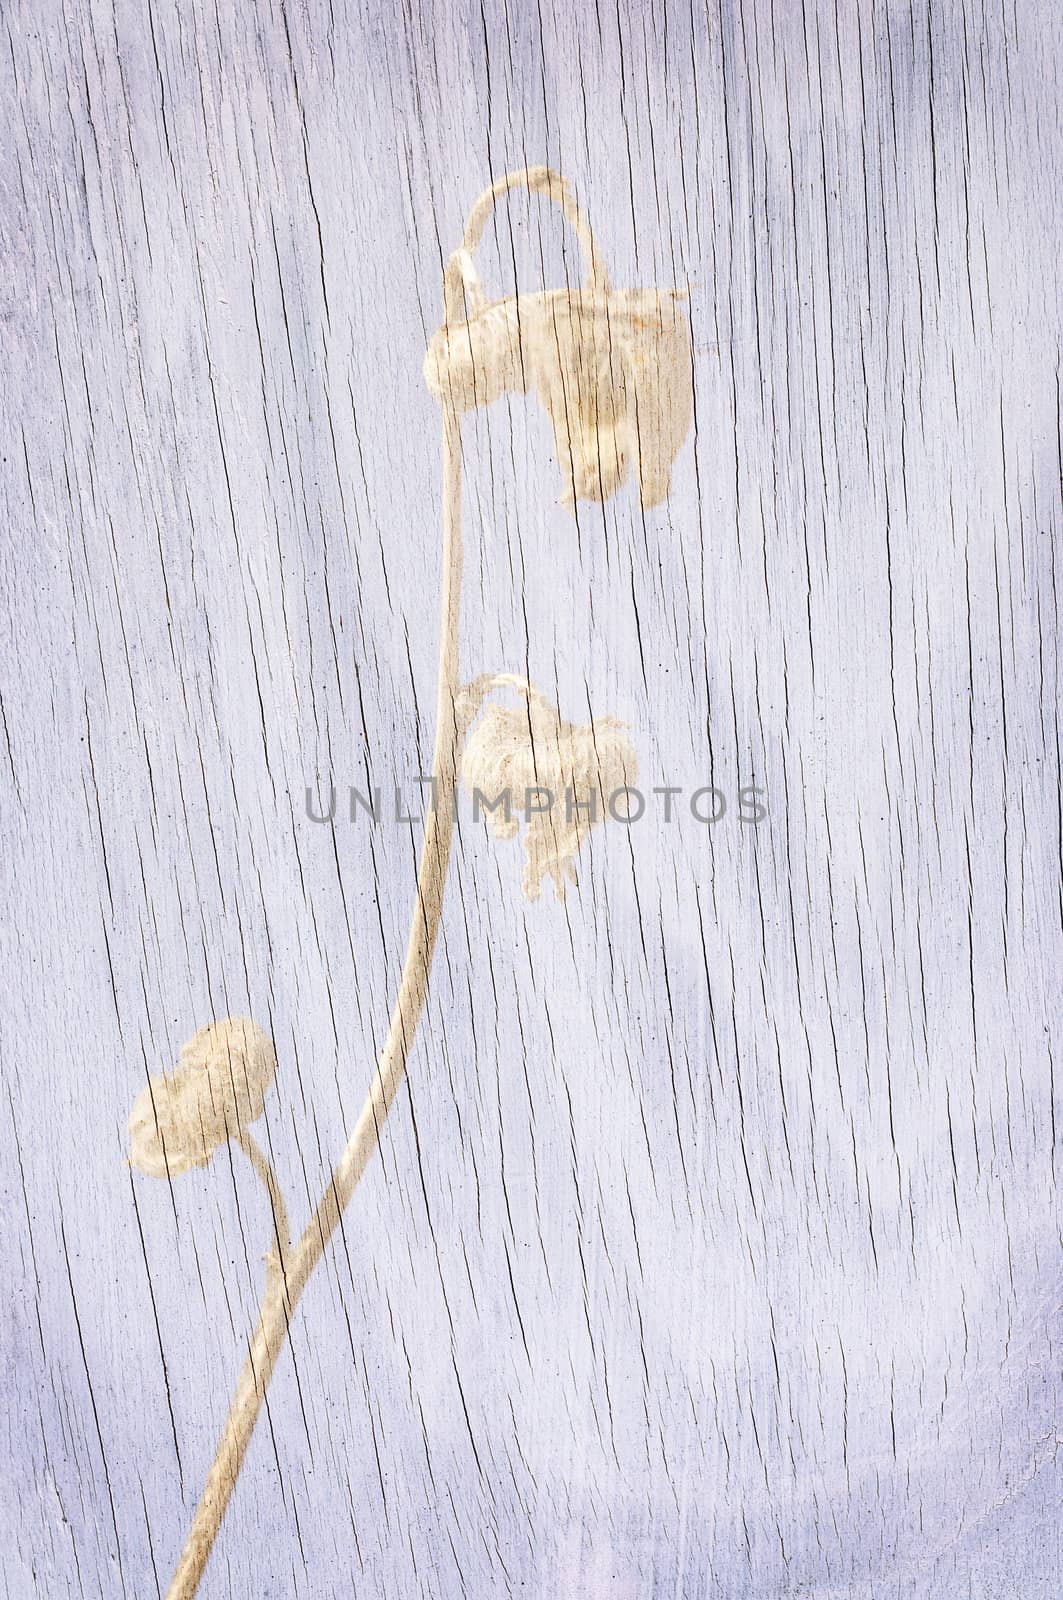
x=219 y=1084
x=562 y=777
x=613 y=368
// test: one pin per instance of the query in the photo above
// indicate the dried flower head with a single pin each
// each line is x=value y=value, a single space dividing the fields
x=563 y=779
x=613 y=368
x=218 y=1085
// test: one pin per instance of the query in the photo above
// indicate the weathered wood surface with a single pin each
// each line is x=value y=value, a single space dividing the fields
x=714 y=1247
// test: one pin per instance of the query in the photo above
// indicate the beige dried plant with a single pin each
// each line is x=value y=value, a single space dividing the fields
x=613 y=369
x=566 y=778
x=218 y=1086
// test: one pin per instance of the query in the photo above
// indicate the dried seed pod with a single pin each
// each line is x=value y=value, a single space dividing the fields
x=219 y=1084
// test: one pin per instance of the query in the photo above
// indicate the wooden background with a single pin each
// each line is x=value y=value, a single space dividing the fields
x=713 y=1250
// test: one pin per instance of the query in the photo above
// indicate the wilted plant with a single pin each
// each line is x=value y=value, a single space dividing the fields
x=613 y=369
x=527 y=751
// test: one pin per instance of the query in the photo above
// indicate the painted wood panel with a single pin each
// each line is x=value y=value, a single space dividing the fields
x=712 y=1247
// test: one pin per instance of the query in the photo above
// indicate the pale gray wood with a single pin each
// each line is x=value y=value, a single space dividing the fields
x=714 y=1249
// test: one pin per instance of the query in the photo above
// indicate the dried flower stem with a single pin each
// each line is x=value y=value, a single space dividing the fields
x=261 y=1164
x=283 y=1289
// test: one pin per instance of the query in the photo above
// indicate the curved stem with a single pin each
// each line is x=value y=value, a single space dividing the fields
x=474 y=693
x=541 y=180
x=284 y=1289
x=260 y=1161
